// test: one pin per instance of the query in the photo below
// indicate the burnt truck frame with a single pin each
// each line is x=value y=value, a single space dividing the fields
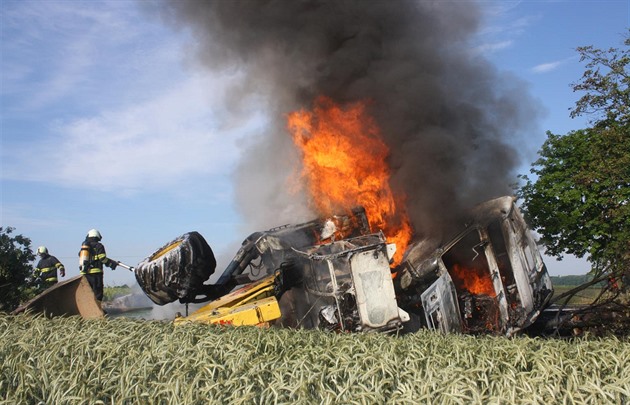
x=496 y=246
x=335 y=274
x=347 y=286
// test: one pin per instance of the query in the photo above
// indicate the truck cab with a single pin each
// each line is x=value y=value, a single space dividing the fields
x=489 y=278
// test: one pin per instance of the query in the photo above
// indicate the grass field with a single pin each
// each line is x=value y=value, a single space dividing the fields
x=584 y=297
x=123 y=361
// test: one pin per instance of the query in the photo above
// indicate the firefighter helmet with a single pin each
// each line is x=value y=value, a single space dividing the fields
x=42 y=250
x=93 y=233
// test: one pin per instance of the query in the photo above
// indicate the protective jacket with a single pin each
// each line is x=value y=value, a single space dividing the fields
x=47 y=267
x=97 y=257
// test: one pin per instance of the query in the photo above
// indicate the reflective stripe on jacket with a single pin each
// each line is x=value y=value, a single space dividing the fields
x=49 y=274
x=47 y=268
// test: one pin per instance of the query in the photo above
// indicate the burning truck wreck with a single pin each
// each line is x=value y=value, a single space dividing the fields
x=337 y=274
x=379 y=106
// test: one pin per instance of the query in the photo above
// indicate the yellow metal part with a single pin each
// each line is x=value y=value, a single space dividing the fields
x=165 y=250
x=253 y=304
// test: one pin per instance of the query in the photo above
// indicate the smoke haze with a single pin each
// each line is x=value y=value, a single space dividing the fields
x=450 y=119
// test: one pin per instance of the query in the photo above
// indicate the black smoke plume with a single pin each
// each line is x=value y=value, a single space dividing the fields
x=450 y=119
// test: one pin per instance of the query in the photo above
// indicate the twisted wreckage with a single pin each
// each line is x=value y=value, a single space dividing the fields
x=335 y=273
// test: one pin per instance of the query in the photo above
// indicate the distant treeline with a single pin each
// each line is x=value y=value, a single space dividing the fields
x=571 y=280
x=109 y=293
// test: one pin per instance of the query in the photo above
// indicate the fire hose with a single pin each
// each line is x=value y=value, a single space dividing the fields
x=123 y=265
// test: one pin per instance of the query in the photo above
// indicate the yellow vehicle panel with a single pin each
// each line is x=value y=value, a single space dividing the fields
x=252 y=304
x=258 y=312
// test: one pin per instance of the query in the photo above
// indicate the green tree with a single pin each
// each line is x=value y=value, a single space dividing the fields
x=579 y=200
x=15 y=269
x=606 y=83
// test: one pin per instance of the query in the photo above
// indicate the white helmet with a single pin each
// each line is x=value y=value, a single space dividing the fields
x=42 y=250
x=93 y=233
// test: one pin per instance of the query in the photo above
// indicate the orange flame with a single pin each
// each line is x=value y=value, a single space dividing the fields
x=344 y=164
x=477 y=282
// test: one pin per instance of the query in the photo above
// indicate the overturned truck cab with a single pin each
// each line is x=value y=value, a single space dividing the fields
x=490 y=278
x=336 y=274
x=347 y=286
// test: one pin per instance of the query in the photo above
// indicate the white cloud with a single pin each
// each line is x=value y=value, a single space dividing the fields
x=551 y=66
x=61 y=51
x=497 y=8
x=106 y=102
x=503 y=18
x=159 y=142
x=504 y=25
x=492 y=47
x=546 y=67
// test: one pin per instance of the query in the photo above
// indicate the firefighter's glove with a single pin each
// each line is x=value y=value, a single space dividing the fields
x=62 y=272
x=113 y=264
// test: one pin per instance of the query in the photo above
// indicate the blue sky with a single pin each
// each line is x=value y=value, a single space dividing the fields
x=108 y=122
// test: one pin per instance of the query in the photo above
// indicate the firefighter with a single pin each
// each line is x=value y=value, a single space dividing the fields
x=92 y=257
x=46 y=270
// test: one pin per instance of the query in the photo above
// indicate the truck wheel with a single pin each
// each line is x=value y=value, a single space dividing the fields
x=177 y=270
x=414 y=323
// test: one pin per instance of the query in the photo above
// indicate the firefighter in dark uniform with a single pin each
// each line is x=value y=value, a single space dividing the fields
x=46 y=270
x=92 y=258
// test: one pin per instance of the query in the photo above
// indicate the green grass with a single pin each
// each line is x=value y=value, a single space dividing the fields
x=110 y=293
x=150 y=362
x=584 y=297
x=571 y=280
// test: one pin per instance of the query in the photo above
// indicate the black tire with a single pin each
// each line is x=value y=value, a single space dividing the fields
x=413 y=325
x=177 y=270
